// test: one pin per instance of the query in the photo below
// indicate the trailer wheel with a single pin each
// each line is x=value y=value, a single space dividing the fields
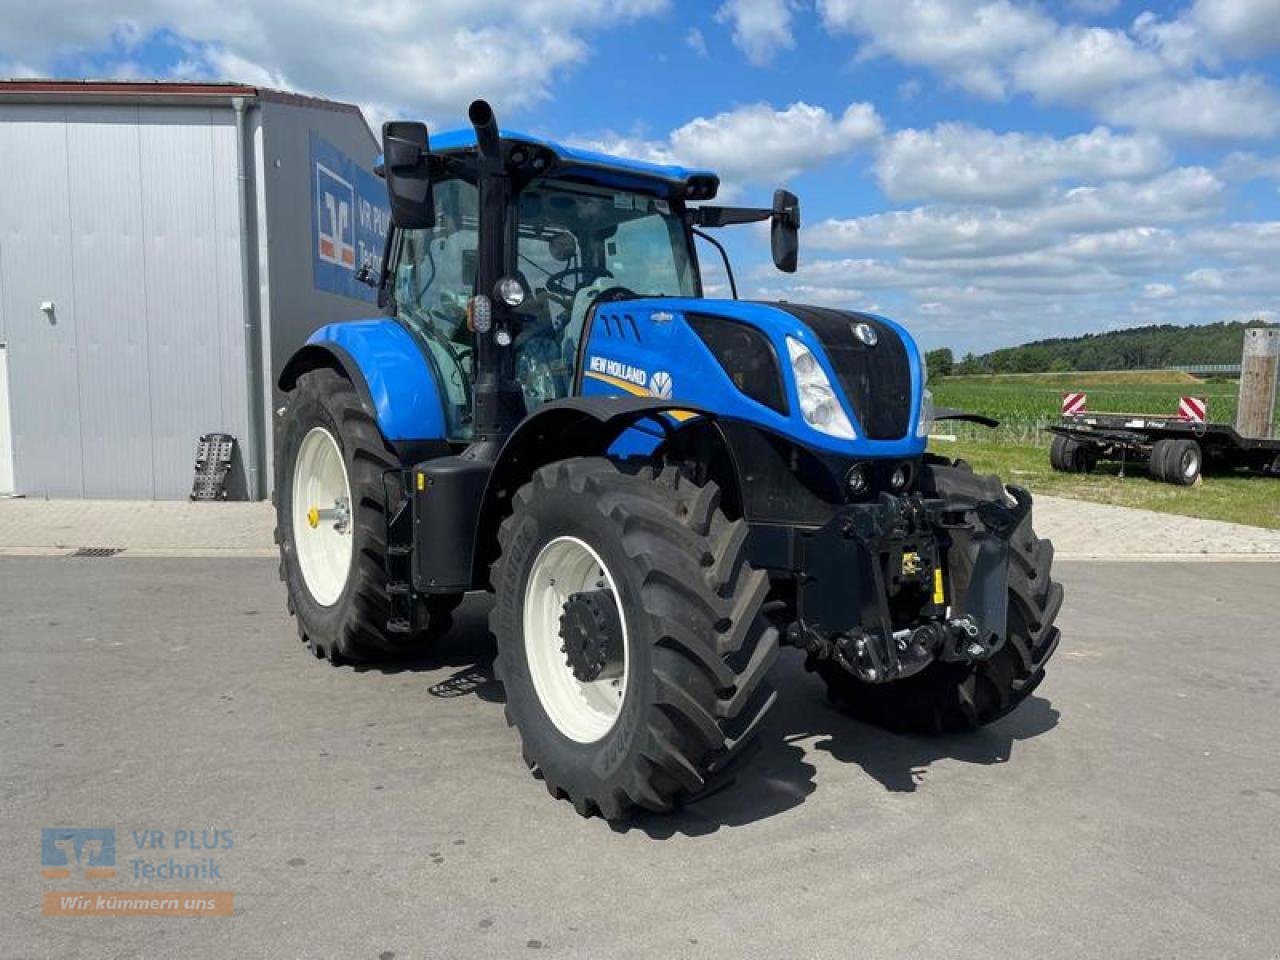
x=1183 y=462
x=949 y=697
x=330 y=521
x=630 y=639
x=1055 y=453
x=1158 y=465
x=1071 y=456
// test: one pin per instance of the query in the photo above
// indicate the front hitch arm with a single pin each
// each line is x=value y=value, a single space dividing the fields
x=986 y=599
x=853 y=565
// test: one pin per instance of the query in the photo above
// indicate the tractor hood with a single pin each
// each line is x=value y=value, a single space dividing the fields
x=740 y=358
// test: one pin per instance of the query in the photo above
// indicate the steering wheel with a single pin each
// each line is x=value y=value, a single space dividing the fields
x=556 y=286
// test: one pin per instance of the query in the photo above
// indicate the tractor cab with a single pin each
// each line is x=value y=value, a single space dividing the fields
x=503 y=244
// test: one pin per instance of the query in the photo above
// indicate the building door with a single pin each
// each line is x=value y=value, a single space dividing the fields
x=119 y=295
x=39 y=312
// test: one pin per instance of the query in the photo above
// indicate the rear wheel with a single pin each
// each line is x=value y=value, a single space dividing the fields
x=1071 y=456
x=1183 y=462
x=1157 y=466
x=630 y=640
x=946 y=696
x=331 y=521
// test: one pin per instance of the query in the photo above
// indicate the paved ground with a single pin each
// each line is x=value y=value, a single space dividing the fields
x=1128 y=810
x=1078 y=529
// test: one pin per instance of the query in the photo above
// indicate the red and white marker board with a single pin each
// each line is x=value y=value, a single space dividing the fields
x=1072 y=403
x=1195 y=409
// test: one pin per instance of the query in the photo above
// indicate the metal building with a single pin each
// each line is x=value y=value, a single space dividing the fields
x=164 y=247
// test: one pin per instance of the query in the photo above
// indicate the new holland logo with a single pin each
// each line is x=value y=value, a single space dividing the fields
x=866 y=333
x=336 y=227
x=618 y=370
x=660 y=384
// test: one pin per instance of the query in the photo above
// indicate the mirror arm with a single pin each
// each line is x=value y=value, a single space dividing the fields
x=724 y=255
x=725 y=216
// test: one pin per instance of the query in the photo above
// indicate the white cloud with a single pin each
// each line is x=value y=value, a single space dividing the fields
x=696 y=42
x=1077 y=65
x=1143 y=77
x=1241 y=28
x=421 y=58
x=1256 y=241
x=761 y=28
x=1179 y=196
x=760 y=144
x=1249 y=166
x=963 y=39
x=1158 y=291
x=1205 y=108
x=755 y=143
x=962 y=164
x=1237 y=280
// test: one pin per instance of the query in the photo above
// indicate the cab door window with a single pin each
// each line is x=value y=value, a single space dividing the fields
x=434 y=277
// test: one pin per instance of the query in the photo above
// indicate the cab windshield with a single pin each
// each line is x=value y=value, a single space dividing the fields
x=577 y=245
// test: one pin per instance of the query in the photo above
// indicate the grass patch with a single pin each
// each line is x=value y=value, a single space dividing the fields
x=1079 y=379
x=1236 y=498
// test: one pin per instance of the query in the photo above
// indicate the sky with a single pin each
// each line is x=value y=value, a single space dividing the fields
x=986 y=171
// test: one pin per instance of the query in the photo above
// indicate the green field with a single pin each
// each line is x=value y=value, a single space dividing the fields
x=1019 y=450
x=1026 y=403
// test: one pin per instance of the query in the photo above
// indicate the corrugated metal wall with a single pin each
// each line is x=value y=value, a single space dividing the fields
x=125 y=219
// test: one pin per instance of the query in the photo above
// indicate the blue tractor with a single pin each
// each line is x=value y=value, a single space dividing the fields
x=659 y=488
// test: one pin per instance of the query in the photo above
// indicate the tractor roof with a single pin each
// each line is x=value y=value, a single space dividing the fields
x=667 y=180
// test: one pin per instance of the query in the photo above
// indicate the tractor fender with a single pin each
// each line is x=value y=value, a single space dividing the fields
x=387 y=366
x=573 y=427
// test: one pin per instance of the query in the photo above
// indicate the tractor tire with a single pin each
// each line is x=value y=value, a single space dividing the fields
x=950 y=697
x=653 y=550
x=1157 y=466
x=337 y=591
x=1183 y=462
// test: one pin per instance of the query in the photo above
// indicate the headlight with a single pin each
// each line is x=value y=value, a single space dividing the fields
x=924 y=426
x=818 y=402
x=509 y=291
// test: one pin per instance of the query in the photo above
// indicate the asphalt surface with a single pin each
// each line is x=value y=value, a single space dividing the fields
x=1128 y=810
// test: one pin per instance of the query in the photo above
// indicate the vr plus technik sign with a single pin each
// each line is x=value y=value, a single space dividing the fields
x=349 y=219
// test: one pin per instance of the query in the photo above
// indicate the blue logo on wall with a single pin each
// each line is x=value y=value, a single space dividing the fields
x=349 y=220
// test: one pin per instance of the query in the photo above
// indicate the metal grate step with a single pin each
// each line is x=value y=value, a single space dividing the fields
x=213 y=463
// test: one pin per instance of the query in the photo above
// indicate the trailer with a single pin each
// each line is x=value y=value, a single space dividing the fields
x=1176 y=448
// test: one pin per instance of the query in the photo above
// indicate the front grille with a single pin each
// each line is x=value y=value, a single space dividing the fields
x=877 y=380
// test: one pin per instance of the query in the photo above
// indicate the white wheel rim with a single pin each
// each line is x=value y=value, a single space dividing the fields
x=1190 y=464
x=322 y=535
x=582 y=711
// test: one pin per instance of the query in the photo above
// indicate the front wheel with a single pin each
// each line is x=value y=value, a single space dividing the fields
x=949 y=696
x=630 y=640
x=331 y=521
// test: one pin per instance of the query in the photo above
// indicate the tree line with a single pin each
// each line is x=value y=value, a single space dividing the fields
x=1136 y=348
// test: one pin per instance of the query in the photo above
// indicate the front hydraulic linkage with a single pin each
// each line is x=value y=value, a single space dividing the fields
x=866 y=556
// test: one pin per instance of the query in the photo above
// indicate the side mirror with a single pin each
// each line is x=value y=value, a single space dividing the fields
x=784 y=232
x=406 y=155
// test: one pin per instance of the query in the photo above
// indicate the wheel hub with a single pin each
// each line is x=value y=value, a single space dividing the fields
x=339 y=513
x=591 y=635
